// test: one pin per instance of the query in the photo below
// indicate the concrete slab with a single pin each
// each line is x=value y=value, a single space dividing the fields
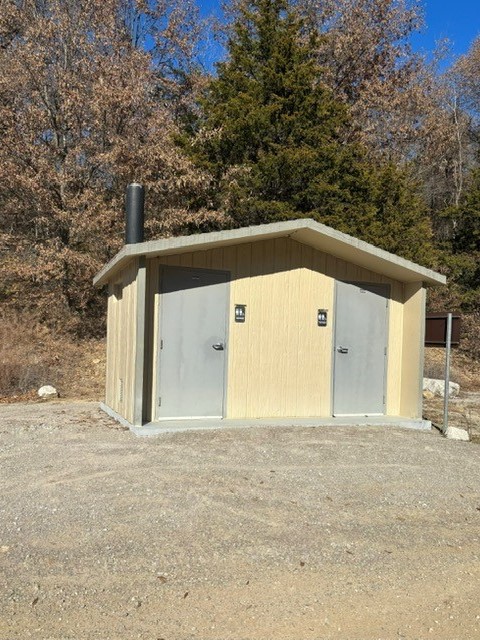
x=175 y=426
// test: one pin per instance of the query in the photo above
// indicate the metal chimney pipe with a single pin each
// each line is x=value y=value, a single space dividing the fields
x=134 y=213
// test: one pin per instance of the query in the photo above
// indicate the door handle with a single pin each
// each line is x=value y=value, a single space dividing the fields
x=342 y=349
x=218 y=346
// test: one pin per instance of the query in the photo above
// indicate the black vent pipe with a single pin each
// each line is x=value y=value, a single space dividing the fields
x=134 y=212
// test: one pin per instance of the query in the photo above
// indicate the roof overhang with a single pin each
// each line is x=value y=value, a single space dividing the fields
x=305 y=231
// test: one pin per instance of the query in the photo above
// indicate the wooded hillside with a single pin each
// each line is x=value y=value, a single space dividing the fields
x=317 y=109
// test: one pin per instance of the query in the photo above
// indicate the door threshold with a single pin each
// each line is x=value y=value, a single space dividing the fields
x=358 y=415
x=163 y=419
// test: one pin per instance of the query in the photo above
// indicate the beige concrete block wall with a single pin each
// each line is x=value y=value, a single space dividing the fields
x=279 y=361
x=121 y=342
x=413 y=350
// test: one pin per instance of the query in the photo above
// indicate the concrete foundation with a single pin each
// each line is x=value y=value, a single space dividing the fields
x=176 y=426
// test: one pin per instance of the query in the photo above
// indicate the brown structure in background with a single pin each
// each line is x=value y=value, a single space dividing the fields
x=436 y=329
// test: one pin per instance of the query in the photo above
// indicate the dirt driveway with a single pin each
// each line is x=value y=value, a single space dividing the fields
x=255 y=534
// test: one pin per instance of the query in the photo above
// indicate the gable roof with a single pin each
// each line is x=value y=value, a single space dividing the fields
x=305 y=231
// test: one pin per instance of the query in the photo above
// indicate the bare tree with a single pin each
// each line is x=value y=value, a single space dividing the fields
x=467 y=75
x=81 y=115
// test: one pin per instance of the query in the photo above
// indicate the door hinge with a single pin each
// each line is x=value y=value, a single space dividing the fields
x=159 y=401
x=385 y=351
x=161 y=344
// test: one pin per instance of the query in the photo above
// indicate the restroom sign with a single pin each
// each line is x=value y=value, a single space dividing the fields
x=240 y=312
x=322 y=318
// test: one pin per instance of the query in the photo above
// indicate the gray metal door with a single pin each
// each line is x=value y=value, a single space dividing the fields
x=192 y=343
x=360 y=348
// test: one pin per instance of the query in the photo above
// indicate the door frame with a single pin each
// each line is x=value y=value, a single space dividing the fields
x=388 y=289
x=156 y=378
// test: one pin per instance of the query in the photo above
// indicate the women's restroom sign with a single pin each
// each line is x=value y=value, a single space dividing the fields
x=322 y=317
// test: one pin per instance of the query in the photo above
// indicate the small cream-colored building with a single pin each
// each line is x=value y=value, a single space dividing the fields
x=289 y=319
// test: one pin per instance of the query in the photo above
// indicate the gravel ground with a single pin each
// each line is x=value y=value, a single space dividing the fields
x=255 y=534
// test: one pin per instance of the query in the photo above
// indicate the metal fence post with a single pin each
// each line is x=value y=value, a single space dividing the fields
x=447 y=372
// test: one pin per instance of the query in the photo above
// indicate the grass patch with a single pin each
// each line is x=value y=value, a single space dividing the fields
x=31 y=355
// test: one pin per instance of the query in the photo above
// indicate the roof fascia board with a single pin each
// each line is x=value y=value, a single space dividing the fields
x=200 y=242
x=306 y=231
x=368 y=256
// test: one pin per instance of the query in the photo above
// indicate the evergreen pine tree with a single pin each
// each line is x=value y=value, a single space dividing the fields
x=271 y=130
x=462 y=249
x=402 y=225
x=274 y=137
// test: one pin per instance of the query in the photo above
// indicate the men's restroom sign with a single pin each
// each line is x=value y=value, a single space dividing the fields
x=240 y=312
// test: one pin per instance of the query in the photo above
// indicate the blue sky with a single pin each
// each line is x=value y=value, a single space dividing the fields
x=457 y=20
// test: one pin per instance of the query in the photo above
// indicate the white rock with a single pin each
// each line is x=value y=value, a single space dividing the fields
x=437 y=387
x=452 y=433
x=47 y=391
